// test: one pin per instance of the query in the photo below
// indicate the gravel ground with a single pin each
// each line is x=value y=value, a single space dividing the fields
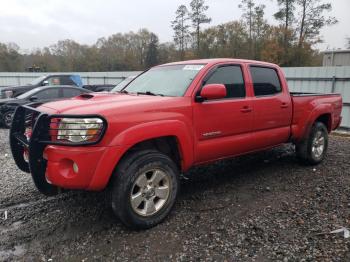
x=261 y=207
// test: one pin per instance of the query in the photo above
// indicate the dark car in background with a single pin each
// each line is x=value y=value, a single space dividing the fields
x=37 y=95
x=123 y=84
x=99 y=88
x=47 y=80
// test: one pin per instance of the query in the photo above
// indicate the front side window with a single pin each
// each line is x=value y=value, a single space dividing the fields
x=49 y=93
x=231 y=77
x=37 y=81
x=265 y=81
x=172 y=80
x=70 y=92
x=54 y=81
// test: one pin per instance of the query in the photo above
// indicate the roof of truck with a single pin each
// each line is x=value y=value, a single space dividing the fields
x=213 y=61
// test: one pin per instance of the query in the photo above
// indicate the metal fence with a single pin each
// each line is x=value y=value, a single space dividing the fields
x=89 y=78
x=300 y=79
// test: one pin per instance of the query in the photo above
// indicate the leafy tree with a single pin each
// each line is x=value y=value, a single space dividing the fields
x=181 y=29
x=10 y=59
x=198 y=17
x=225 y=40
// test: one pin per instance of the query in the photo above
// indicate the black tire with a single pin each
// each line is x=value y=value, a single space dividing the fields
x=124 y=182
x=304 y=150
x=5 y=119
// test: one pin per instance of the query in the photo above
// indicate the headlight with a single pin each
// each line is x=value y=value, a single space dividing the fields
x=78 y=130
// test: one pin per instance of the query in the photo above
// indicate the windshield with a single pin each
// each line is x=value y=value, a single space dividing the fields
x=123 y=84
x=29 y=93
x=172 y=80
x=36 y=81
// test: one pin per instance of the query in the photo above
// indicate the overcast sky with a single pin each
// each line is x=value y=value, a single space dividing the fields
x=39 y=23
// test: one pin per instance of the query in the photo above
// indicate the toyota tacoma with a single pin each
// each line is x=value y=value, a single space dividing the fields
x=137 y=142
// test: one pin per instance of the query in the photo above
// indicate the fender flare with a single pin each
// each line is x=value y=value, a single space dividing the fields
x=300 y=130
x=163 y=128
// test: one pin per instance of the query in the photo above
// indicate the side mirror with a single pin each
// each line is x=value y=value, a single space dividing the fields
x=45 y=83
x=33 y=98
x=213 y=91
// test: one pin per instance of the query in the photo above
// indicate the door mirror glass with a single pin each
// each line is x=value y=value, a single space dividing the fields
x=33 y=98
x=213 y=91
x=45 y=83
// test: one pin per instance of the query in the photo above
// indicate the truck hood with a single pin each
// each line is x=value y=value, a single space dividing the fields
x=106 y=104
x=16 y=87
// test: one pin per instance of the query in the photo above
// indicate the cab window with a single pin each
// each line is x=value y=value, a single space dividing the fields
x=265 y=81
x=231 y=77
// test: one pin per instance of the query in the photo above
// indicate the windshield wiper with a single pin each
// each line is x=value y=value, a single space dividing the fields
x=149 y=93
x=124 y=92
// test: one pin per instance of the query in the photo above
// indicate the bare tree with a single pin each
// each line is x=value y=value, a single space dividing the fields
x=260 y=28
x=198 y=17
x=312 y=20
x=247 y=7
x=286 y=15
x=181 y=29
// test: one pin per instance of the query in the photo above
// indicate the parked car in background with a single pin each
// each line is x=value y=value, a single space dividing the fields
x=99 y=88
x=36 y=95
x=48 y=80
x=138 y=141
x=123 y=84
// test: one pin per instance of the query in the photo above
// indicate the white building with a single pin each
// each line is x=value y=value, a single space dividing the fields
x=336 y=58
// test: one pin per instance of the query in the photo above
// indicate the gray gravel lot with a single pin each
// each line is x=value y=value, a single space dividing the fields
x=261 y=207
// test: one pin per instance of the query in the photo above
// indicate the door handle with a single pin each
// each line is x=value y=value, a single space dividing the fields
x=246 y=109
x=284 y=105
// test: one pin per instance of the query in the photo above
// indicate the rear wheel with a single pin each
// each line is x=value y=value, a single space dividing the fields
x=144 y=188
x=313 y=149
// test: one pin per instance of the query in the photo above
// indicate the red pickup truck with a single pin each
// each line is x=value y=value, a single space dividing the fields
x=138 y=141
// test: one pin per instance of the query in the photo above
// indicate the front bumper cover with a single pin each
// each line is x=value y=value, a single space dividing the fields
x=30 y=135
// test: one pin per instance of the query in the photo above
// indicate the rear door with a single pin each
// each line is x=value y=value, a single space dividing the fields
x=272 y=107
x=223 y=126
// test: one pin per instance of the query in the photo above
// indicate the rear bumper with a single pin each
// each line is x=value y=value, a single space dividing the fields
x=87 y=168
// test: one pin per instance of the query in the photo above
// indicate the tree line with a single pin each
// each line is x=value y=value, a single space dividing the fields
x=289 y=42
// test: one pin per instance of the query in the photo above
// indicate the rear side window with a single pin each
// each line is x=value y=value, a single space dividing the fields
x=232 y=78
x=265 y=81
x=66 y=80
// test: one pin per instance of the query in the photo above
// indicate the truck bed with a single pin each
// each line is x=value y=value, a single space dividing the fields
x=313 y=94
x=306 y=105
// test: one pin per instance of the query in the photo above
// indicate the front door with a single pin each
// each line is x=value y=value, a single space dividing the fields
x=223 y=126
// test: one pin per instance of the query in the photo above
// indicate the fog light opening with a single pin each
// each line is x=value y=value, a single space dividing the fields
x=75 y=168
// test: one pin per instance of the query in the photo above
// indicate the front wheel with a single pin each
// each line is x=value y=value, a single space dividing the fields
x=144 y=188
x=7 y=118
x=313 y=149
